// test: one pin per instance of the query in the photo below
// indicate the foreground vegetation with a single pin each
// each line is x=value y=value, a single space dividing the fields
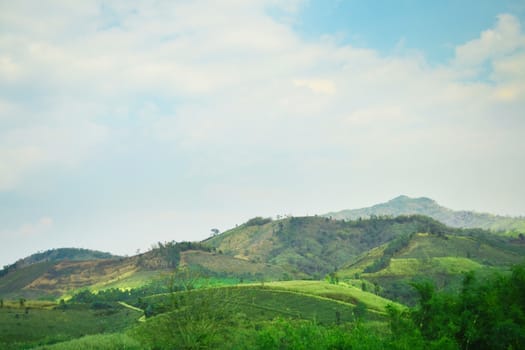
x=486 y=313
x=30 y=324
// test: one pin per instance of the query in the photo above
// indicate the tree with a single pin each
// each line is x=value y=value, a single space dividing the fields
x=332 y=278
x=214 y=232
x=360 y=311
x=1 y=303
x=22 y=302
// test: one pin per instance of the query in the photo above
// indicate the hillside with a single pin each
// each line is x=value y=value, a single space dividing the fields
x=404 y=205
x=59 y=254
x=59 y=277
x=267 y=250
x=444 y=258
x=315 y=246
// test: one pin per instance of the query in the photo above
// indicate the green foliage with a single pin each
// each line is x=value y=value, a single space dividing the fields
x=170 y=251
x=258 y=221
x=393 y=247
x=260 y=303
x=314 y=246
x=194 y=321
x=117 y=341
x=48 y=326
x=486 y=314
x=240 y=333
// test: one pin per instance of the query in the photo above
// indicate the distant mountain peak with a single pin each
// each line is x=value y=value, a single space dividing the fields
x=404 y=198
x=405 y=205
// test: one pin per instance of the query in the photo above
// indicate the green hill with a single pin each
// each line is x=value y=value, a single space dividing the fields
x=53 y=279
x=404 y=205
x=267 y=250
x=317 y=300
x=444 y=258
x=56 y=255
x=312 y=247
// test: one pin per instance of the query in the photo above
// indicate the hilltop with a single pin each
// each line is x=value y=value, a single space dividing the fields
x=314 y=246
x=404 y=205
x=59 y=254
x=381 y=252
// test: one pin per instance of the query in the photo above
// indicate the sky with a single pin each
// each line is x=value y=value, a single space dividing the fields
x=126 y=123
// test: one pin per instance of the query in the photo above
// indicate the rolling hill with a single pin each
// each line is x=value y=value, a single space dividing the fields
x=53 y=278
x=404 y=205
x=443 y=258
x=380 y=249
x=315 y=246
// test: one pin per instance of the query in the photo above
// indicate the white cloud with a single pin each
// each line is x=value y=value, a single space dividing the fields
x=505 y=38
x=501 y=42
x=322 y=86
x=236 y=101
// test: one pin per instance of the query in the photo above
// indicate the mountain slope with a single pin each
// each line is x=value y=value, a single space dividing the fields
x=315 y=246
x=444 y=258
x=51 y=279
x=263 y=249
x=404 y=205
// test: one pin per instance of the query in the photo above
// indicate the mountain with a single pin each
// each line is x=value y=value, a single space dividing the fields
x=55 y=255
x=315 y=246
x=404 y=205
x=363 y=251
x=307 y=246
x=62 y=271
x=381 y=253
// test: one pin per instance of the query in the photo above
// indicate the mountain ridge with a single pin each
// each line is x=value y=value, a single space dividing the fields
x=310 y=247
x=404 y=205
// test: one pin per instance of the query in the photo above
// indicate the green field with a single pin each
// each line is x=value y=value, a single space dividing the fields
x=97 y=342
x=260 y=303
x=26 y=327
x=340 y=292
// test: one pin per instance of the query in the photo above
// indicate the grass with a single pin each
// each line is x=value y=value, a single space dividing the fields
x=430 y=266
x=423 y=246
x=310 y=300
x=434 y=254
x=341 y=292
x=227 y=265
x=22 y=328
x=116 y=341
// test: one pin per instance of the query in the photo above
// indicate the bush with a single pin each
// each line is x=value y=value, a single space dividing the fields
x=258 y=221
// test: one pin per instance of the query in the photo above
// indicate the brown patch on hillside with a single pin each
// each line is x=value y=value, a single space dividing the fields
x=70 y=275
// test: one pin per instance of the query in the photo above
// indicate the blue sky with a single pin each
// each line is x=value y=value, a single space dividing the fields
x=125 y=123
x=432 y=27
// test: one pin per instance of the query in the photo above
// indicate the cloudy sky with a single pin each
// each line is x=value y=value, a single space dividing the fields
x=125 y=123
